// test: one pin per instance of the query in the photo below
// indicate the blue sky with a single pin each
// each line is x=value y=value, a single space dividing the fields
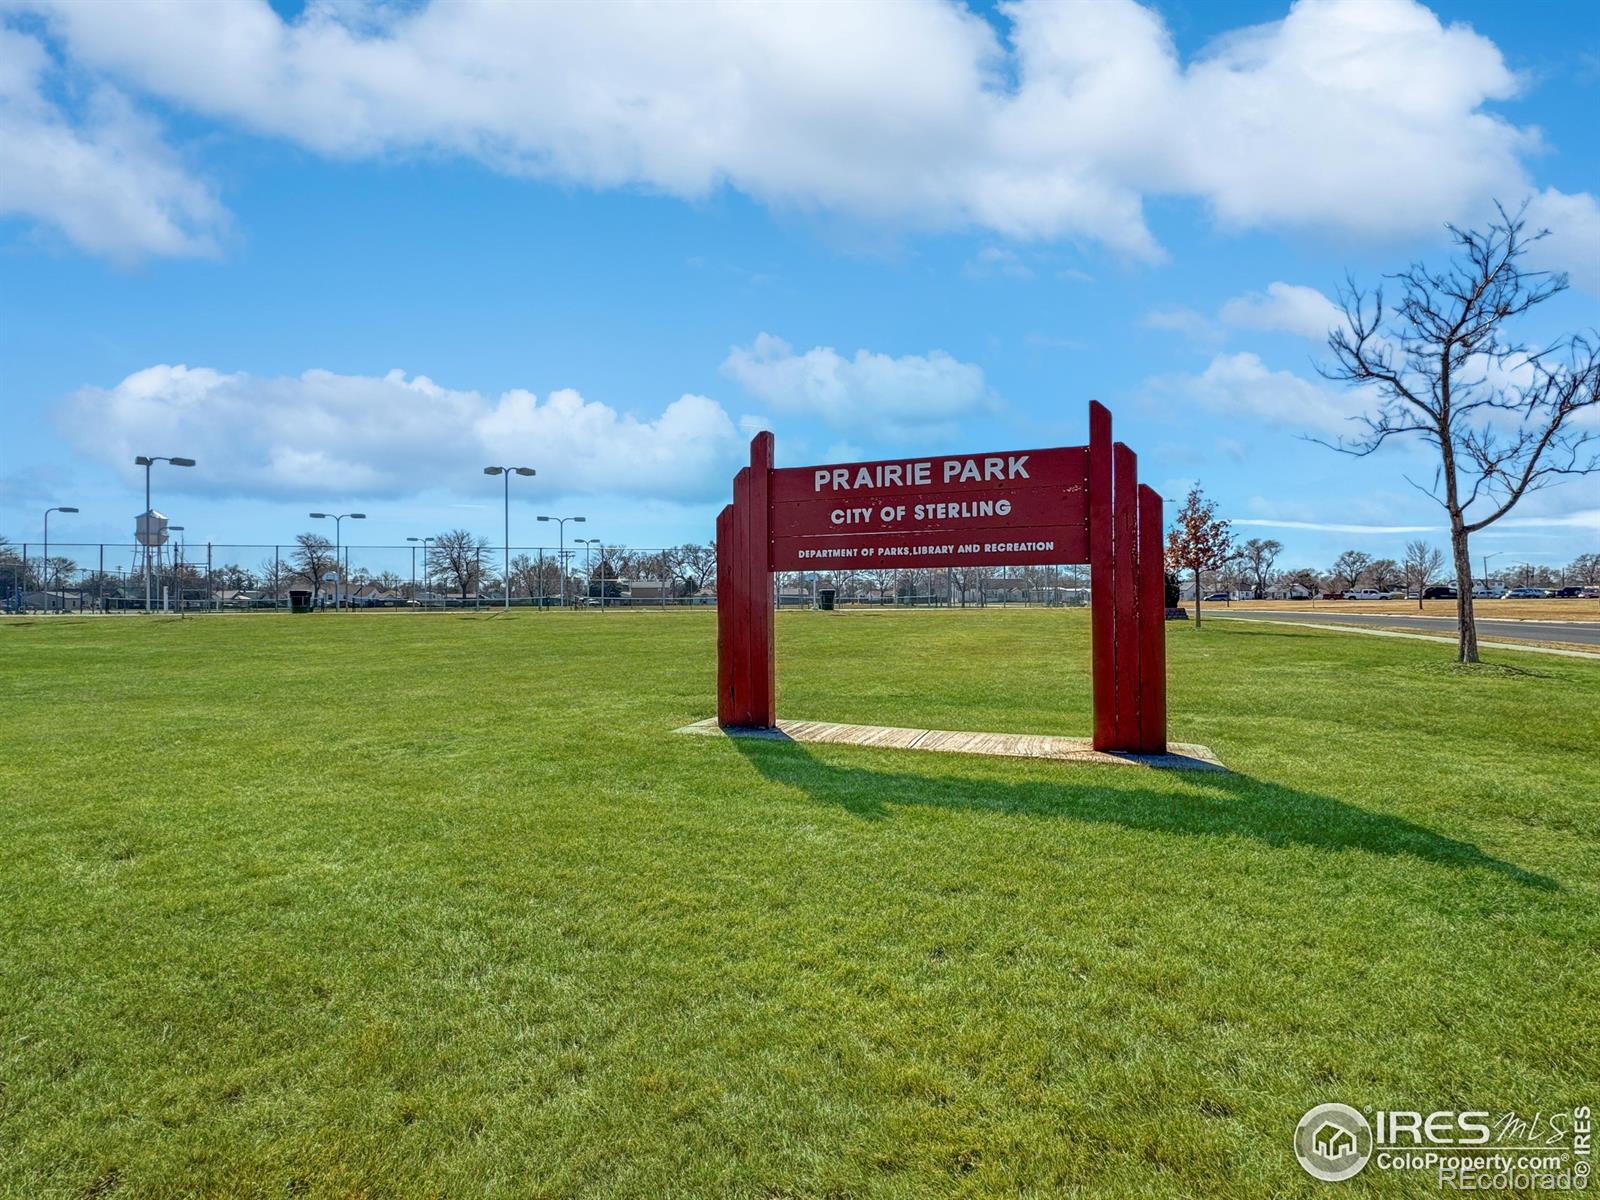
x=612 y=252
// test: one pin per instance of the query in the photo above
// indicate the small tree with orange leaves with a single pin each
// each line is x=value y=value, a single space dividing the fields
x=1199 y=541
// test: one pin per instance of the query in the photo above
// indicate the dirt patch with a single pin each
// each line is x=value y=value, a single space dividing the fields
x=1499 y=610
x=1480 y=670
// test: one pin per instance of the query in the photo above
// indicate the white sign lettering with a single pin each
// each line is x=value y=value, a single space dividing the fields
x=993 y=469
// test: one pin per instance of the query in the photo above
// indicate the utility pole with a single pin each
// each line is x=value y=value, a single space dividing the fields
x=561 y=524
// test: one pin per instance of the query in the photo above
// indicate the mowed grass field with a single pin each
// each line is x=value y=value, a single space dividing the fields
x=393 y=905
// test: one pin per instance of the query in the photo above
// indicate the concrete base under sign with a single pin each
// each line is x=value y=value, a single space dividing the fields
x=1179 y=756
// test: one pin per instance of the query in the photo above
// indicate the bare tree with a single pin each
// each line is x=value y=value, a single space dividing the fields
x=1503 y=414
x=882 y=580
x=698 y=566
x=1384 y=574
x=1303 y=577
x=1258 y=558
x=538 y=577
x=273 y=574
x=458 y=557
x=1585 y=569
x=1199 y=541
x=235 y=577
x=58 y=567
x=968 y=579
x=1348 y=569
x=312 y=557
x=1422 y=563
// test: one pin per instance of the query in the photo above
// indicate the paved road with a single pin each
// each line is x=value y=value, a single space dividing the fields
x=1585 y=633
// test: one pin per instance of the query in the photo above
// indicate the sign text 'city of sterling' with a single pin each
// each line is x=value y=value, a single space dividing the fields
x=1016 y=508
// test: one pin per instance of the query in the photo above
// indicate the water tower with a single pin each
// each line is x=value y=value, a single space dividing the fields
x=150 y=532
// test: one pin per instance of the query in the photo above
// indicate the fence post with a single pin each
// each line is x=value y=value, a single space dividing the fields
x=211 y=583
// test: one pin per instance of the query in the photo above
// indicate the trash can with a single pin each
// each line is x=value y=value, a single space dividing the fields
x=825 y=598
x=299 y=600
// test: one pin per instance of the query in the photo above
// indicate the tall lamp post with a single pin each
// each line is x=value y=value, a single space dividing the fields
x=48 y=572
x=588 y=545
x=147 y=461
x=508 y=472
x=427 y=567
x=338 y=566
x=562 y=556
x=1486 y=559
x=414 y=541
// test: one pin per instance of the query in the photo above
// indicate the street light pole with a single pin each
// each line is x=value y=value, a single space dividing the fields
x=561 y=556
x=588 y=545
x=1486 y=559
x=427 y=567
x=505 y=582
x=338 y=540
x=147 y=461
x=58 y=508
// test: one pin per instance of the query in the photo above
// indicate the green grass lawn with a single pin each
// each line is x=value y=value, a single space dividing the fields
x=438 y=905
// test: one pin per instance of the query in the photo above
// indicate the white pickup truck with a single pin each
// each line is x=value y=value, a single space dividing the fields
x=1374 y=594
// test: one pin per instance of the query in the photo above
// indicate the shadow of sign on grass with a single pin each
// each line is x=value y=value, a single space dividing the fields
x=1202 y=805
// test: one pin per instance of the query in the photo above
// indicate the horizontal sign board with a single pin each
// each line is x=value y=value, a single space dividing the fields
x=1013 y=508
x=1062 y=467
x=901 y=513
x=1020 y=547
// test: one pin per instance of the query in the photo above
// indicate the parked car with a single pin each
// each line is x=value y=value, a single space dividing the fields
x=1220 y=597
x=1570 y=593
x=1526 y=594
x=1439 y=593
x=1366 y=594
x=1488 y=593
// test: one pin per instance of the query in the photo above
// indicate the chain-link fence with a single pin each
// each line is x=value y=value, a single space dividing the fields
x=451 y=573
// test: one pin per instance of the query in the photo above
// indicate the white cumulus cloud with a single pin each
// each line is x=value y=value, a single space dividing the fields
x=320 y=434
x=1574 y=242
x=1286 y=308
x=1056 y=121
x=1242 y=386
x=102 y=176
x=868 y=390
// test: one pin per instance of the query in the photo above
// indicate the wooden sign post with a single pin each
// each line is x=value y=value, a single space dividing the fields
x=1073 y=504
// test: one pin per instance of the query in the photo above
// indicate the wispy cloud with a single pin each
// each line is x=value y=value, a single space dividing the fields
x=1195 y=326
x=1584 y=518
x=998 y=260
x=1335 y=526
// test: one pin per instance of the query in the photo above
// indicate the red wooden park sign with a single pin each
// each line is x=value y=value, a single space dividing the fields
x=1067 y=504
